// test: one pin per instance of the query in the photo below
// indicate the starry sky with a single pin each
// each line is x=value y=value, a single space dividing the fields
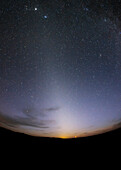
x=60 y=67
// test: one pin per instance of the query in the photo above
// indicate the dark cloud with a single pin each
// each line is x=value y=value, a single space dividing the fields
x=100 y=131
x=117 y=125
x=33 y=118
x=17 y=121
x=51 y=109
x=33 y=112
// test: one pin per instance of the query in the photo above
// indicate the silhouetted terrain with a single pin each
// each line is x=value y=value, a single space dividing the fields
x=109 y=138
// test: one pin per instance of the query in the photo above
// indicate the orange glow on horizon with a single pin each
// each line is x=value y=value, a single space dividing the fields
x=64 y=137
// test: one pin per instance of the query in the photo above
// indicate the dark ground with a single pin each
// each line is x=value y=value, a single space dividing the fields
x=94 y=148
x=110 y=139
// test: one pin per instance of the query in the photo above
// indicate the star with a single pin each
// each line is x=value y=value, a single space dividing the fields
x=86 y=9
x=45 y=16
x=105 y=20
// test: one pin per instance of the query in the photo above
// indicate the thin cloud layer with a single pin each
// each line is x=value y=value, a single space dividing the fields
x=32 y=118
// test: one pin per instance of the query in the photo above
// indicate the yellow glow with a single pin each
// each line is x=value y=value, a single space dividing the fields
x=64 y=137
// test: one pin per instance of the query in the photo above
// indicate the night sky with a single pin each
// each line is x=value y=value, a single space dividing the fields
x=60 y=67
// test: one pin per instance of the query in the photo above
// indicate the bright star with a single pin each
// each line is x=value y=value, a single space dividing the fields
x=45 y=16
